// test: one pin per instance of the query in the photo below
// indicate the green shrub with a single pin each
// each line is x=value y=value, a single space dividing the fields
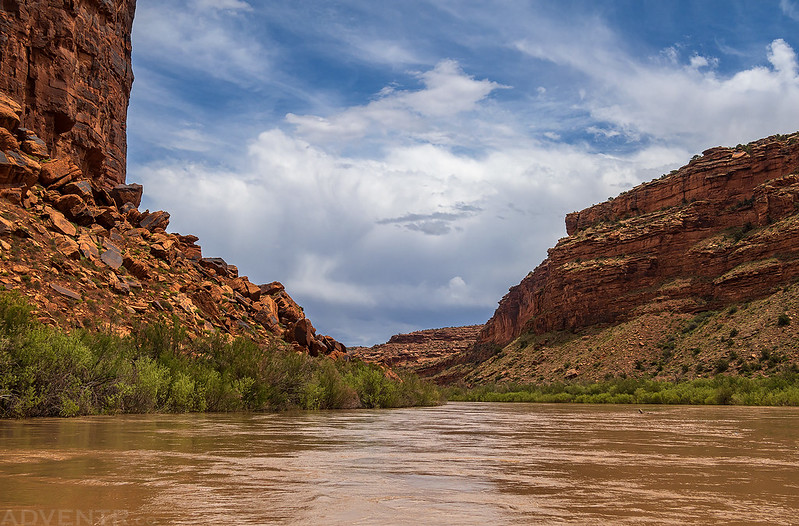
x=45 y=372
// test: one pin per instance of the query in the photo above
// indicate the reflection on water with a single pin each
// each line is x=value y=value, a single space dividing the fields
x=456 y=464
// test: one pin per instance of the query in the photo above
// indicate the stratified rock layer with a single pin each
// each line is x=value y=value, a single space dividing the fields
x=720 y=230
x=67 y=64
x=423 y=352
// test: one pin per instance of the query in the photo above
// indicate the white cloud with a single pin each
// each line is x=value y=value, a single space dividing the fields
x=425 y=202
x=232 y=5
x=447 y=92
x=387 y=234
x=201 y=35
x=790 y=9
x=693 y=104
x=783 y=58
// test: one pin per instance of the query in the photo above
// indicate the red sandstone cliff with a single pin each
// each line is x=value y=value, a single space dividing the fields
x=722 y=229
x=423 y=352
x=67 y=64
x=72 y=238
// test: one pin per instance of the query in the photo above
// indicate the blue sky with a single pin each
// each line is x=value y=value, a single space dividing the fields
x=400 y=164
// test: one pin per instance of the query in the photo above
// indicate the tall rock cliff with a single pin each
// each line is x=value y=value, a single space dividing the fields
x=67 y=64
x=720 y=230
x=72 y=238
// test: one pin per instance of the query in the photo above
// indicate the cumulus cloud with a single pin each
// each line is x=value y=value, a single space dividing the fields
x=418 y=229
x=690 y=103
x=447 y=92
x=420 y=203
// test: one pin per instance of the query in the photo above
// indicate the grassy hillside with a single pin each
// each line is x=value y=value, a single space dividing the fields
x=754 y=339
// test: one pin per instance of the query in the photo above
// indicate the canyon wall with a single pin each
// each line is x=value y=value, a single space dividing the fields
x=425 y=353
x=66 y=63
x=722 y=229
x=72 y=237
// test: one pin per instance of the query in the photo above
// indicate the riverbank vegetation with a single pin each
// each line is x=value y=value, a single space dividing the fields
x=157 y=368
x=778 y=390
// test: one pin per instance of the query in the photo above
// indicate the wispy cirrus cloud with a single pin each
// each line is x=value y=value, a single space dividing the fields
x=210 y=37
x=790 y=9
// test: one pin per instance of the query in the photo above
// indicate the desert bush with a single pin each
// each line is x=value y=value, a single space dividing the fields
x=46 y=372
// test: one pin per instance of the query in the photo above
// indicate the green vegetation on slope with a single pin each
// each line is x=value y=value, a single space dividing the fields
x=778 y=390
x=45 y=372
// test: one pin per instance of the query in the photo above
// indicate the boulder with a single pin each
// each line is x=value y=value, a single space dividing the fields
x=67 y=246
x=59 y=172
x=272 y=288
x=59 y=222
x=31 y=144
x=10 y=112
x=189 y=248
x=117 y=285
x=317 y=348
x=288 y=310
x=205 y=302
x=8 y=141
x=106 y=216
x=82 y=188
x=69 y=293
x=243 y=286
x=112 y=256
x=266 y=314
x=74 y=208
x=155 y=220
x=88 y=247
x=127 y=193
x=18 y=170
x=304 y=333
x=136 y=267
x=6 y=226
x=218 y=265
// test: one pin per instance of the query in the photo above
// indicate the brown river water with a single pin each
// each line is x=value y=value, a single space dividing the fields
x=462 y=463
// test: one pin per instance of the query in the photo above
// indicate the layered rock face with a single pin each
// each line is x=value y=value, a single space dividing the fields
x=722 y=229
x=423 y=352
x=66 y=63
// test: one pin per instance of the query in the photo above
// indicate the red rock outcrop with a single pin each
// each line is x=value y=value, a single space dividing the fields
x=423 y=352
x=722 y=229
x=72 y=223
x=67 y=65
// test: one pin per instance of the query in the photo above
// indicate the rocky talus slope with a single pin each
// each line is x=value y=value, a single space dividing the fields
x=425 y=353
x=67 y=64
x=87 y=257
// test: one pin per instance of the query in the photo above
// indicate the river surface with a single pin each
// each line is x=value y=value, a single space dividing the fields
x=462 y=463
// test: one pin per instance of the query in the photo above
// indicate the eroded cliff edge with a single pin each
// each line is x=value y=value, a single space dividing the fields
x=719 y=230
x=67 y=64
